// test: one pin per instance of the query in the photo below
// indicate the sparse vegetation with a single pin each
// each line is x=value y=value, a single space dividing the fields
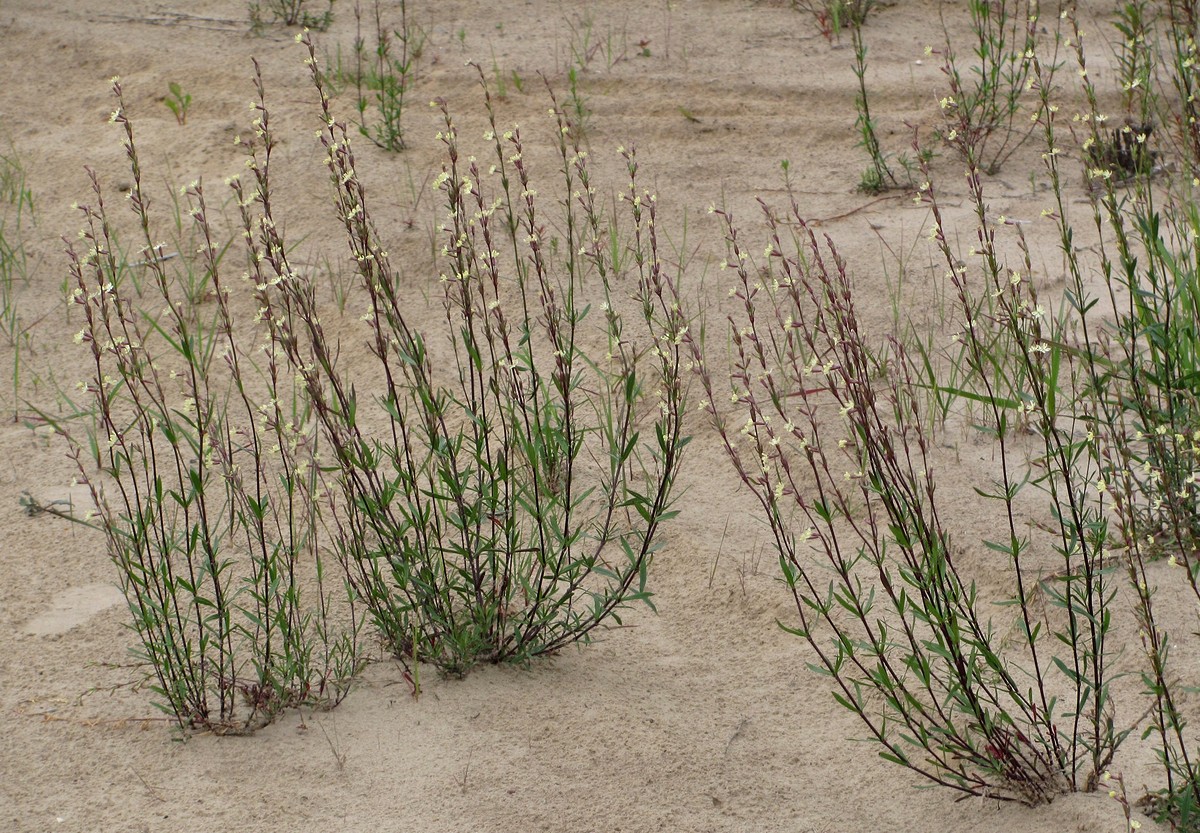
x=452 y=417
x=291 y=13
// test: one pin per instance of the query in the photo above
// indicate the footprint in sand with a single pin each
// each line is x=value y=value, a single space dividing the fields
x=74 y=607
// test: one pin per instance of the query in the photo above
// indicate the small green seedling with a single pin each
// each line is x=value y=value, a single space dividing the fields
x=178 y=102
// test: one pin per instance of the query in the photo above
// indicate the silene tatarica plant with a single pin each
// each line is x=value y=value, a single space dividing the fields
x=203 y=462
x=986 y=664
x=513 y=500
x=497 y=503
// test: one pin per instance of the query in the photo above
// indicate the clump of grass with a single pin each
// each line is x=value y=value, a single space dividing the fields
x=832 y=16
x=202 y=460
x=16 y=215
x=879 y=176
x=290 y=13
x=577 y=104
x=384 y=75
x=501 y=82
x=586 y=44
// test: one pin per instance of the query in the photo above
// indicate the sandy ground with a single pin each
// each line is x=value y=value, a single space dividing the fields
x=700 y=718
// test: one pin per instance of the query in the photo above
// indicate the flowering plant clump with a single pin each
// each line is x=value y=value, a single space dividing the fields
x=207 y=486
x=831 y=436
x=513 y=504
x=1095 y=412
